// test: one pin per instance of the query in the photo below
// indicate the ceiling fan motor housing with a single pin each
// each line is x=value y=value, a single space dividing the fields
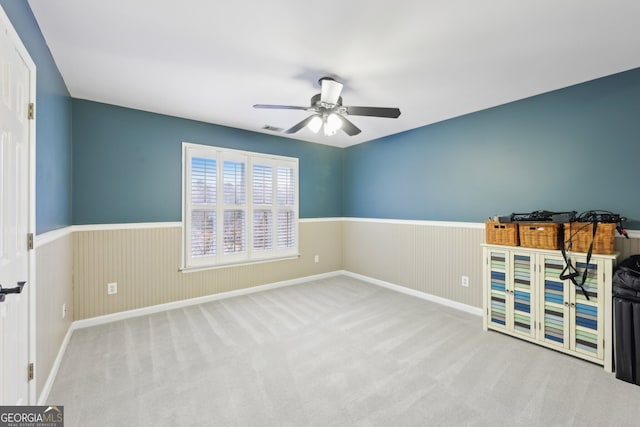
x=316 y=102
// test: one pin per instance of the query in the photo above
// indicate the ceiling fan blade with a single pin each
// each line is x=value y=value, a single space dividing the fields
x=331 y=90
x=300 y=125
x=391 y=113
x=280 y=107
x=348 y=127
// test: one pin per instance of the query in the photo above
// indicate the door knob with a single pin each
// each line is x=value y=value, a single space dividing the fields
x=6 y=291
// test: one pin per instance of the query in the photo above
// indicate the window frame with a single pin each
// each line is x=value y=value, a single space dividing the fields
x=249 y=255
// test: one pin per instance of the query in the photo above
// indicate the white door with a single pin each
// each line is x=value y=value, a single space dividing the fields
x=15 y=88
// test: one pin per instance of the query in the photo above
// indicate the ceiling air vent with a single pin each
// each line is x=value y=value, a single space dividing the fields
x=272 y=128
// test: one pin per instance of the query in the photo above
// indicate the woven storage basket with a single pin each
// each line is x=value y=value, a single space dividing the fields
x=539 y=235
x=502 y=234
x=581 y=235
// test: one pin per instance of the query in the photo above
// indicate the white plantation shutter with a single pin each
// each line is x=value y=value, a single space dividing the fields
x=203 y=232
x=262 y=229
x=239 y=206
x=234 y=224
x=203 y=180
x=234 y=231
x=286 y=186
x=262 y=184
x=286 y=229
x=286 y=207
x=203 y=189
x=234 y=183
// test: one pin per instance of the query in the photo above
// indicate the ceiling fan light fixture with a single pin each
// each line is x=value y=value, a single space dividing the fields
x=315 y=124
x=332 y=124
x=328 y=132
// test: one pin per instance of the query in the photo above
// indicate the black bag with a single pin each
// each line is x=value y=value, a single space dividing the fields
x=626 y=311
x=632 y=263
x=626 y=279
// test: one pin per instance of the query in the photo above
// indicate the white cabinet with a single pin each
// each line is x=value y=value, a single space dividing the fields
x=525 y=297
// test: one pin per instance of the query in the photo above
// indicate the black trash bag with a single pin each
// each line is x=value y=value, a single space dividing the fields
x=627 y=339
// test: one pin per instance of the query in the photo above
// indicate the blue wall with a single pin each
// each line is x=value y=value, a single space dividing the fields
x=127 y=164
x=573 y=149
x=53 y=124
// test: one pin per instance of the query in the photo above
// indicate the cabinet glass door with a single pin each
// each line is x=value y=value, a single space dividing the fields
x=498 y=293
x=555 y=303
x=587 y=335
x=522 y=301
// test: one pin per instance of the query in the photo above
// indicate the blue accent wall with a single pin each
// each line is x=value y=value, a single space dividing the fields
x=53 y=124
x=576 y=148
x=127 y=164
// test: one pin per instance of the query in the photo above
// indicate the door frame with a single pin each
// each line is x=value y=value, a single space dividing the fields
x=31 y=279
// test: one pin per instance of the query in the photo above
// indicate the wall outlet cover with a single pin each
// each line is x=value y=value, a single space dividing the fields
x=112 y=288
x=465 y=281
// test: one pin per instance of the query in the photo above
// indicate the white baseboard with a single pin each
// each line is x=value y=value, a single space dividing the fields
x=108 y=318
x=423 y=295
x=44 y=394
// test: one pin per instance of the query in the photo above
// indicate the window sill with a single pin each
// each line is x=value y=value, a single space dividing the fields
x=198 y=268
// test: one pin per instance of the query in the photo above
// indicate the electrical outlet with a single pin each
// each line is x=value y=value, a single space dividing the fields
x=465 y=281
x=317 y=259
x=112 y=288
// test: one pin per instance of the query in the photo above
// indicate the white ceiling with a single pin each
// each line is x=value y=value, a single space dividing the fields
x=211 y=60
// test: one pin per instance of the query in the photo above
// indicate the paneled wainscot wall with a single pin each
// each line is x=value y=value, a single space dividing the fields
x=145 y=264
x=74 y=266
x=54 y=289
x=424 y=256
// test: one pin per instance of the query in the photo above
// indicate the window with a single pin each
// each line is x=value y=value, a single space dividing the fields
x=238 y=206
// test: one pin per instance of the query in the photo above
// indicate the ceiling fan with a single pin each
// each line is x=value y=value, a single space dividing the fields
x=329 y=113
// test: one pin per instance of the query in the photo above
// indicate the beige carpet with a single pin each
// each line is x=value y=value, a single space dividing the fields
x=335 y=352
